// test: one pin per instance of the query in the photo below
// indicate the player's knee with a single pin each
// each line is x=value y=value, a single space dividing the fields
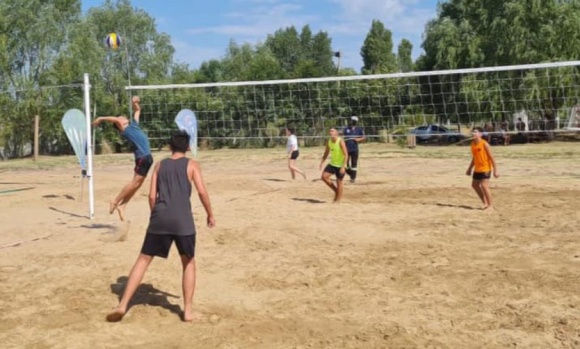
x=138 y=181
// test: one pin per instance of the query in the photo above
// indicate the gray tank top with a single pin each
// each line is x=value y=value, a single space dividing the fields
x=172 y=212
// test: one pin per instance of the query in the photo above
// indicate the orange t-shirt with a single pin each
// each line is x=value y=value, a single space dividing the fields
x=481 y=161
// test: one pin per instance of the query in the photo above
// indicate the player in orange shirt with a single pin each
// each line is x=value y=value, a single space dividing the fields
x=482 y=164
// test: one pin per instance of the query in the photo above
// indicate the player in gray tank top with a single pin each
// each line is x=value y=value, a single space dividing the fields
x=171 y=221
x=172 y=214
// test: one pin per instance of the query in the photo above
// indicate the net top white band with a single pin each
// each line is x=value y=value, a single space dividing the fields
x=361 y=77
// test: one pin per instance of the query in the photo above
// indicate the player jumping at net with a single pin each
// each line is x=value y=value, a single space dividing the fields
x=353 y=135
x=482 y=164
x=130 y=130
x=293 y=153
x=171 y=221
x=338 y=162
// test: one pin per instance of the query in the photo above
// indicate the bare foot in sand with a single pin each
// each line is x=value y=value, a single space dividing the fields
x=193 y=316
x=188 y=316
x=121 y=211
x=116 y=315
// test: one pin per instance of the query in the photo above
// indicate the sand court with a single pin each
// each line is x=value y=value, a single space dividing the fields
x=407 y=260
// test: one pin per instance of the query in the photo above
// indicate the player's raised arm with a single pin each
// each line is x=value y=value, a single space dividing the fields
x=197 y=178
x=110 y=119
x=136 y=108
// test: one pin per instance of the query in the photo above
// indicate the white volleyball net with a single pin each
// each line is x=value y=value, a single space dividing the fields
x=254 y=113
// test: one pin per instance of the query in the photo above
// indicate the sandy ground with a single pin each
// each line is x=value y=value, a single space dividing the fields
x=406 y=261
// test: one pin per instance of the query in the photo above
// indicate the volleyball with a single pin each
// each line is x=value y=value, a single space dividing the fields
x=113 y=41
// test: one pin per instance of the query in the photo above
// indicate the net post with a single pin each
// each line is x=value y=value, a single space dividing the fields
x=36 y=137
x=89 y=145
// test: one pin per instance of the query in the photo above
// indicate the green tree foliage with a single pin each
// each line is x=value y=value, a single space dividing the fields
x=377 y=50
x=477 y=33
x=404 y=56
x=302 y=55
x=47 y=45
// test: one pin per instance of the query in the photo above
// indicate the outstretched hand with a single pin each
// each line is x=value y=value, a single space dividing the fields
x=135 y=103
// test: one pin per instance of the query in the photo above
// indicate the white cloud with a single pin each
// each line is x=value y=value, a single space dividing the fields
x=400 y=16
x=259 y=21
x=347 y=23
x=194 y=55
x=367 y=9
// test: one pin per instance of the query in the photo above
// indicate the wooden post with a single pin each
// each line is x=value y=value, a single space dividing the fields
x=36 y=131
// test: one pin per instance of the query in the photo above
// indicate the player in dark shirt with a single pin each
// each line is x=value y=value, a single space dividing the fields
x=353 y=135
x=130 y=130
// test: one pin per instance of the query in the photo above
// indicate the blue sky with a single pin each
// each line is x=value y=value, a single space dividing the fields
x=202 y=30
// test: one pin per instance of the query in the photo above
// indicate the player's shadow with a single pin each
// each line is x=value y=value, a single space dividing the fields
x=274 y=180
x=148 y=295
x=465 y=207
x=312 y=201
x=52 y=196
x=98 y=226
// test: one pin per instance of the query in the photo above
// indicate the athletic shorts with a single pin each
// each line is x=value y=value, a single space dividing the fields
x=159 y=245
x=335 y=171
x=142 y=165
x=294 y=155
x=479 y=176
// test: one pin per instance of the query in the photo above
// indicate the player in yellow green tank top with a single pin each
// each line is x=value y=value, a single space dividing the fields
x=337 y=166
x=482 y=164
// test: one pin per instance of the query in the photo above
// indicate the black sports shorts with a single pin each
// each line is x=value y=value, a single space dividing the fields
x=335 y=171
x=159 y=245
x=142 y=165
x=478 y=176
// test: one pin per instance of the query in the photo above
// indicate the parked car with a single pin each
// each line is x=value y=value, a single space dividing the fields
x=437 y=134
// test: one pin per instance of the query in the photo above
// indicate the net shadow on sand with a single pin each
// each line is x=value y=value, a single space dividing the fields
x=68 y=213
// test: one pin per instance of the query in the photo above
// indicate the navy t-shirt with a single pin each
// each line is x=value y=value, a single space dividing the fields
x=137 y=137
x=350 y=133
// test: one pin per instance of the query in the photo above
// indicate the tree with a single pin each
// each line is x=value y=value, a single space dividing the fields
x=404 y=56
x=478 y=33
x=322 y=53
x=32 y=33
x=302 y=55
x=286 y=46
x=377 y=50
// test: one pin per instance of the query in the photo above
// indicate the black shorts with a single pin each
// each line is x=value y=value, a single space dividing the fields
x=294 y=155
x=159 y=245
x=335 y=171
x=142 y=165
x=479 y=176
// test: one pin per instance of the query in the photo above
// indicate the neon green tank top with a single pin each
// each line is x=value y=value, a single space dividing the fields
x=336 y=154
